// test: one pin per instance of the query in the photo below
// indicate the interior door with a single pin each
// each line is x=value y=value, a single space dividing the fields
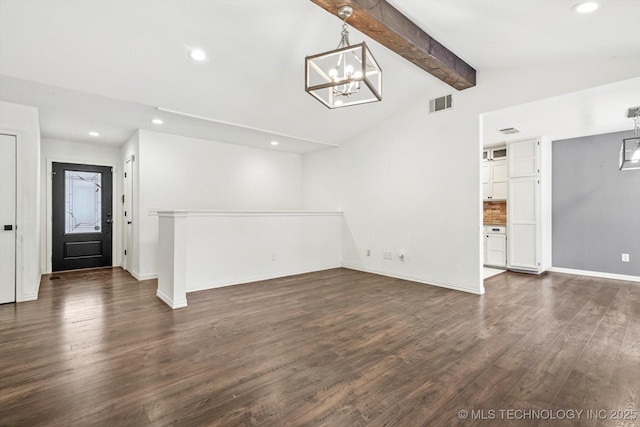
x=82 y=218
x=7 y=218
x=128 y=215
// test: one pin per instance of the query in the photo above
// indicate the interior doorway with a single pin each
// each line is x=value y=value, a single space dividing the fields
x=7 y=218
x=82 y=219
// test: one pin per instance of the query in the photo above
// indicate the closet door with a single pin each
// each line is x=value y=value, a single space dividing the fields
x=7 y=218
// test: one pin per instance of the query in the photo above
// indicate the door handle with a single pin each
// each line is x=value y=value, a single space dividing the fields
x=109 y=221
x=128 y=222
x=8 y=227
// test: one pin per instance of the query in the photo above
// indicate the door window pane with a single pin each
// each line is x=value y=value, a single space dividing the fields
x=83 y=202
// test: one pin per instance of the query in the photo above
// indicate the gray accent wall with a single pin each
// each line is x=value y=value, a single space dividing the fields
x=596 y=207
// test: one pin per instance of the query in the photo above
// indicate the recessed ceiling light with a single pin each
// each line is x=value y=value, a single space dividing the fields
x=94 y=133
x=274 y=143
x=586 y=7
x=157 y=121
x=197 y=55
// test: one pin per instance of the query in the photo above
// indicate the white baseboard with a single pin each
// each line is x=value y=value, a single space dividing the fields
x=256 y=278
x=30 y=297
x=418 y=280
x=599 y=274
x=140 y=277
x=169 y=301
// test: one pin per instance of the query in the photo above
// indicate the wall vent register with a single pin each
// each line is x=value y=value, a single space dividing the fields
x=439 y=104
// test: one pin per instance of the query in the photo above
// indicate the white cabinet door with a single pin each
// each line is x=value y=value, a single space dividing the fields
x=486 y=181
x=499 y=190
x=496 y=250
x=523 y=200
x=495 y=180
x=7 y=218
x=499 y=180
x=523 y=158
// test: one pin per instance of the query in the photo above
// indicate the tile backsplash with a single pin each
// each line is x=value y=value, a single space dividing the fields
x=495 y=212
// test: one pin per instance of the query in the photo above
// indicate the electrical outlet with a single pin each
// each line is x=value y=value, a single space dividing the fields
x=387 y=255
x=368 y=252
x=153 y=211
x=625 y=257
x=273 y=256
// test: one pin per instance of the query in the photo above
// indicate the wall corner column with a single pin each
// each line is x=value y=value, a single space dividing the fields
x=172 y=257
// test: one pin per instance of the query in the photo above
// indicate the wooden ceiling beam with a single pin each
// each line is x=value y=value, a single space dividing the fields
x=389 y=27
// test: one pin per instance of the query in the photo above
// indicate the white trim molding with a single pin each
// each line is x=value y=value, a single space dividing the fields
x=258 y=278
x=599 y=274
x=141 y=277
x=169 y=301
x=418 y=280
x=246 y=213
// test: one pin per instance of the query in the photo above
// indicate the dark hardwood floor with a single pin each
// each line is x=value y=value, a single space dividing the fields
x=334 y=348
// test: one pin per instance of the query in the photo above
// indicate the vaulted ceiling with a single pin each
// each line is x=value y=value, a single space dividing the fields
x=107 y=65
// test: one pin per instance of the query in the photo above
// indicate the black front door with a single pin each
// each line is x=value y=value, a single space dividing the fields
x=82 y=220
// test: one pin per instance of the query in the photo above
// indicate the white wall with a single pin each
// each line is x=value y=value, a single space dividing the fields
x=182 y=173
x=227 y=249
x=209 y=249
x=23 y=121
x=82 y=153
x=412 y=183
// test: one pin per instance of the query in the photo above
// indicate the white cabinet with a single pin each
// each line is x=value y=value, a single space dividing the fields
x=495 y=180
x=529 y=207
x=495 y=246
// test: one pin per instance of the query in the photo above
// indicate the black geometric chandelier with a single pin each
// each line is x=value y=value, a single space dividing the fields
x=630 y=149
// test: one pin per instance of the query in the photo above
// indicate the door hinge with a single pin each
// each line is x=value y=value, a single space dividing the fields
x=125 y=251
x=125 y=174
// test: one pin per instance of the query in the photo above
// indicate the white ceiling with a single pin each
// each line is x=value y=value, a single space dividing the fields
x=594 y=111
x=107 y=65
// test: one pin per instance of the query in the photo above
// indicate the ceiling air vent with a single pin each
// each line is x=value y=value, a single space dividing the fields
x=439 y=104
x=509 y=131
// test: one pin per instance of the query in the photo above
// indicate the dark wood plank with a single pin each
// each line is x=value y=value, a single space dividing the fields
x=388 y=26
x=337 y=347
